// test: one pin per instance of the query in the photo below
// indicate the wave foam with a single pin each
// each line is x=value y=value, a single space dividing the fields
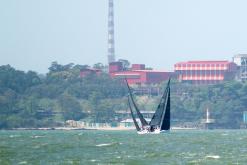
x=213 y=156
x=106 y=144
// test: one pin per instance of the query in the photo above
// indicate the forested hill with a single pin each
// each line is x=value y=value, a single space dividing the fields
x=28 y=99
x=31 y=100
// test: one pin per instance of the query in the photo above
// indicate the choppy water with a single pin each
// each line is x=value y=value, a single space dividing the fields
x=223 y=147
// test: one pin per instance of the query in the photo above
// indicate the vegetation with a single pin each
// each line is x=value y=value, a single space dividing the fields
x=31 y=100
x=226 y=102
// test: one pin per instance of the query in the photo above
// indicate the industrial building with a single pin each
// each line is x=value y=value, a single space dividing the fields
x=137 y=74
x=205 y=72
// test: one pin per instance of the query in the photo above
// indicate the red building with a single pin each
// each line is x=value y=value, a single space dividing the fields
x=115 y=67
x=138 y=74
x=205 y=72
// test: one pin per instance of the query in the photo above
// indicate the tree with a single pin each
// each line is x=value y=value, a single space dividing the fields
x=70 y=107
x=55 y=67
x=98 y=66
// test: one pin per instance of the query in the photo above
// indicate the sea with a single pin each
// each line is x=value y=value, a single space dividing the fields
x=91 y=147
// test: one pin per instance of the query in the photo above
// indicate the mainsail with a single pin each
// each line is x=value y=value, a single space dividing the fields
x=165 y=124
x=143 y=121
x=161 y=117
x=133 y=117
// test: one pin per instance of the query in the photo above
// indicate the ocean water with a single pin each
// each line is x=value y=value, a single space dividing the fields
x=181 y=147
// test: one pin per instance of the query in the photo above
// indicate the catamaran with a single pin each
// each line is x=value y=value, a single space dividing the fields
x=160 y=121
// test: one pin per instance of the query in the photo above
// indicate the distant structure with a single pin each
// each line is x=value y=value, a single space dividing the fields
x=241 y=61
x=208 y=122
x=138 y=74
x=244 y=123
x=245 y=117
x=205 y=72
x=111 y=41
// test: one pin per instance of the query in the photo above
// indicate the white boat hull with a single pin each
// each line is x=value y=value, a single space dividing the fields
x=151 y=132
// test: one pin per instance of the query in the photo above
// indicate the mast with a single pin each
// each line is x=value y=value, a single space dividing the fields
x=143 y=121
x=133 y=117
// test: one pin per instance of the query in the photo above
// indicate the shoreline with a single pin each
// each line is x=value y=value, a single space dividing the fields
x=92 y=128
x=105 y=128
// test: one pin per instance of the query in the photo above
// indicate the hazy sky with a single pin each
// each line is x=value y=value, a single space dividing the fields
x=159 y=33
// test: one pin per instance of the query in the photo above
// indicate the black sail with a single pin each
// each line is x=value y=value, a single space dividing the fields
x=143 y=121
x=165 y=124
x=157 y=118
x=133 y=117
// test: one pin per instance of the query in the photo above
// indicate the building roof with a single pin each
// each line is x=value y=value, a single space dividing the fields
x=126 y=73
x=135 y=72
x=204 y=62
x=149 y=71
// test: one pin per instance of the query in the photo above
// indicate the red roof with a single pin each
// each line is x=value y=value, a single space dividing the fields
x=147 y=71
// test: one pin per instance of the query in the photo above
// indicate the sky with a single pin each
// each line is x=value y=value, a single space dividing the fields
x=158 y=33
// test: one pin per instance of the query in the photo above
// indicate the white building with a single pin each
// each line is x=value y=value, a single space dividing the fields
x=241 y=61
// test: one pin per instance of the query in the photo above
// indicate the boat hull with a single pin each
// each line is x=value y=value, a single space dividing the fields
x=152 y=132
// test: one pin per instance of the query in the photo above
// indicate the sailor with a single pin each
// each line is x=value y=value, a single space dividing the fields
x=147 y=127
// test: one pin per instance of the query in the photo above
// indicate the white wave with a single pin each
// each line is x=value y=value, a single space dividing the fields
x=106 y=144
x=37 y=136
x=23 y=162
x=93 y=160
x=12 y=136
x=224 y=134
x=213 y=156
x=195 y=161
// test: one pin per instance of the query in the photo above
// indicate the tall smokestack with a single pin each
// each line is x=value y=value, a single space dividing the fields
x=111 y=42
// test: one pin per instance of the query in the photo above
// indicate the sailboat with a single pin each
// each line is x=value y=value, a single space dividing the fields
x=160 y=121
